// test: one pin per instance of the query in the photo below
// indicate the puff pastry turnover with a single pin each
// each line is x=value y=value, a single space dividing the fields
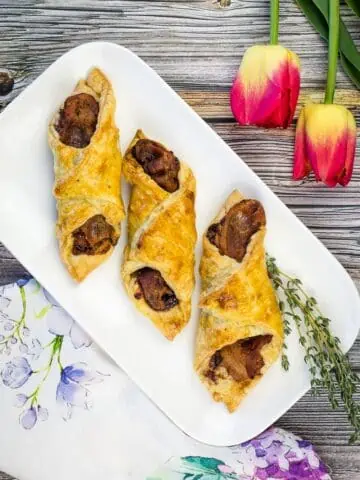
x=240 y=333
x=158 y=265
x=87 y=162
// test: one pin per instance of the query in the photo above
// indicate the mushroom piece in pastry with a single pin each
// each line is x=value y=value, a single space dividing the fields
x=158 y=266
x=240 y=333
x=87 y=163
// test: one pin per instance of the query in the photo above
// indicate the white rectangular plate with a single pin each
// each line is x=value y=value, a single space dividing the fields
x=162 y=369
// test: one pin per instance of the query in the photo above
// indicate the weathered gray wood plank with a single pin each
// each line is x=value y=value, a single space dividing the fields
x=214 y=105
x=208 y=42
x=196 y=47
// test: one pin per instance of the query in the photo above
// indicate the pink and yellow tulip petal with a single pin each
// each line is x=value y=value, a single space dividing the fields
x=325 y=143
x=266 y=88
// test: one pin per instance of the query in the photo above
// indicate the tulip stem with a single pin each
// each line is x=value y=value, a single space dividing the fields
x=334 y=28
x=274 y=28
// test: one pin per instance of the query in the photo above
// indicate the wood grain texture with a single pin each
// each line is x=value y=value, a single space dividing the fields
x=196 y=47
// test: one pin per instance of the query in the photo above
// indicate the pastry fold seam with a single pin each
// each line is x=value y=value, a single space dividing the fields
x=87 y=178
x=238 y=307
x=161 y=236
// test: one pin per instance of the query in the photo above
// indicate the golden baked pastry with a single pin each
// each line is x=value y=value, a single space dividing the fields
x=240 y=333
x=87 y=163
x=158 y=266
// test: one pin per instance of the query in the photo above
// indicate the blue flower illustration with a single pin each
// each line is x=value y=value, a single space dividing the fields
x=20 y=400
x=71 y=390
x=16 y=372
x=60 y=323
x=15 y=334
x=23 y=281
x=29 y=417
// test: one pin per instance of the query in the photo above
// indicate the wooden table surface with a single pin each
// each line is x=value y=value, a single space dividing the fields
x=196 y=47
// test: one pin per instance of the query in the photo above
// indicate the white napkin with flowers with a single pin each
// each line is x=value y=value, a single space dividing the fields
x=67 y=411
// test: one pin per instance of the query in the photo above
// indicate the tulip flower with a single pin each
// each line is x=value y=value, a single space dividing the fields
x=326 y=133
x=325 y=144
x=266 y=88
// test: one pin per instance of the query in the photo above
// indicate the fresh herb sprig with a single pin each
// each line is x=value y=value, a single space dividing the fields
x=329 y=367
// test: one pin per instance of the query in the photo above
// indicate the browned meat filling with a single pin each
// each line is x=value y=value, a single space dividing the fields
x=94 y=237
x=78 y=119
x=161 y=164
x=233 y=233
x=157 y=293
x=242 y=359
x=6 y=83
x=231 y=236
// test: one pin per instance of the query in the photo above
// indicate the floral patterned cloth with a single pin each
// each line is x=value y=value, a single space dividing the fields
x=275 y=454
x=34 y=347
x=62 y=396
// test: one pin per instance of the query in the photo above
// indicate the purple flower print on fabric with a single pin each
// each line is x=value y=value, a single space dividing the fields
x=273 y=455
x=60 y=323
x=23 y=281
x=28 y=418
x=16 y=372
x=277 y=454
x=71 y=390
x=20 y=400
x=30 y=357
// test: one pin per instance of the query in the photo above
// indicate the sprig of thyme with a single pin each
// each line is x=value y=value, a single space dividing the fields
x=329 y=367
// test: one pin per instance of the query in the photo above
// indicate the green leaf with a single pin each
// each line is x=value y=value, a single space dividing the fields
x=208 y=464
x=347 y=45
x=350 y=70
x=355 y=5
x=42 y=312
x=315 y=17
x=317 y=12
